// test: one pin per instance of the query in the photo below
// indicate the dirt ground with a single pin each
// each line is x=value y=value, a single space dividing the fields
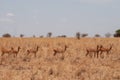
x=54 y=62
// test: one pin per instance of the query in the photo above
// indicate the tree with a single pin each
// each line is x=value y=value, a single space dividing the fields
x=34 y=36
x=41 y=36
x=117 y=33
x=78 y=35
x=6 y=35
x=49 y=34
x=107 y=35
x=21 y=35
x=97 y=35
x=84 y=35
x=64 y=36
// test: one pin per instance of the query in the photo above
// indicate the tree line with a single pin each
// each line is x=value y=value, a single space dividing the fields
x=78 y=35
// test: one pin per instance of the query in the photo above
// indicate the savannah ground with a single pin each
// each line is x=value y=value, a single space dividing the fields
x=71 y=64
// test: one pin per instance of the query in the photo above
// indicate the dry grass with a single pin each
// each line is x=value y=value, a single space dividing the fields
x=70 y=65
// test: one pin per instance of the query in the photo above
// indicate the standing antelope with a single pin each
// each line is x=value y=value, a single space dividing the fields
x=4 y=50
x=93 y=50
x=103 y=49
x=15 y=51
x=33 y=51
x=59 y=51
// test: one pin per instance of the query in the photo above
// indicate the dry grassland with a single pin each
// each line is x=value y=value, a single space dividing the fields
x=71 y=64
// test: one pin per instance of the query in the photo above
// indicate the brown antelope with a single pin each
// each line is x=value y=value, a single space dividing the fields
x=4 y=50
x=33 y=51
x=103 y=49
x=59 y=51
x=13 y=51
x=93 y=50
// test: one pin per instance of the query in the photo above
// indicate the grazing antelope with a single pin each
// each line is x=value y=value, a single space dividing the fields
x=59 y=51
x=93 y=50
x=33 y=51
x=103 y=49
x=15 y=51
x=4 y=50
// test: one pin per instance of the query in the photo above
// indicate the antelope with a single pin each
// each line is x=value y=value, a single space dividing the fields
x=92 y=50
x=4 y=50
x=59 y=51
x=15 y=51
x=33 y=51
x=103 y=49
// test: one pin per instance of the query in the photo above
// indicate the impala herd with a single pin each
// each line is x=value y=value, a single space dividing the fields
x=90 y=51
x=100 y=49
x=10 y=51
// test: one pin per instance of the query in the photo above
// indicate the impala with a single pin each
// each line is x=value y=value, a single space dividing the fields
x=33 y=51
x=103 y=49
x=4 y=50
x=59 y=50
x=15 y=51
x=93 y=50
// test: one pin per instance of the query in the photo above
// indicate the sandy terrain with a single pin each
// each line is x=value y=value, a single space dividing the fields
x=69 y=64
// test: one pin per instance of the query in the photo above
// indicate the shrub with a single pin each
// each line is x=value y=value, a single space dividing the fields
x=21 y=35
x=84 y=35
x=6 y=35
x=97 y=35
